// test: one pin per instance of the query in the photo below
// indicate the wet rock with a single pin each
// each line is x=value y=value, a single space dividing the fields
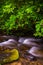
x=33 y=42
x=9 y=56
x=32 y=58
x=21 y=39
x=36 y=51
x=9 y=42
x=12 y=41
x=5 y=38
x=29 y=42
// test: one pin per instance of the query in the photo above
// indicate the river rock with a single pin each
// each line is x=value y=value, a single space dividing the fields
x=9 y=42
x=5 y=38
x=30 y=42
x=36 y=51
x=21 y=39
x=8 y=55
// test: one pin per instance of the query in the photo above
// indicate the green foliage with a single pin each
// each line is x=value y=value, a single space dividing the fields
x=21 y=14
x=39 y=28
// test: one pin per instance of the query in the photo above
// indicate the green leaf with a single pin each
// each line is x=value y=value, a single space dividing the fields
x=37 y=27
x=41 y=30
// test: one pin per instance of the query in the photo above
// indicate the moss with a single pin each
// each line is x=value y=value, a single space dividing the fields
x=12 y=55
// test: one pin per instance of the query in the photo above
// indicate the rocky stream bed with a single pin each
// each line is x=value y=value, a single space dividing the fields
x=29 y=51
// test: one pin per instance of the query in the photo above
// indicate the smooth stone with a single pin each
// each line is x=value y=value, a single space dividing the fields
x=34 y=40
x=21 y=39
x=10 y=41
x=29 y=42
x=36 y=51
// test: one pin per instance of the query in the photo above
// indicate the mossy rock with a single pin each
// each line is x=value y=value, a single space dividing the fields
x=9 y=55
